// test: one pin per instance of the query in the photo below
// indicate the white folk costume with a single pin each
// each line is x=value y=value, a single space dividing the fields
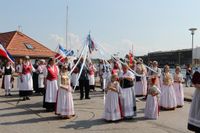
x=106 y=76
x=64 y=103
x=51 y=87
x=152 y=103
x=141 y=82
x=91 y=76
x=26 y=84
x=156 y=74
x=194 y=115
x=7 y=72
x=178 y=88
x=74 y=77
x=127 y=98
x=41 y=70
x=112 y=107
x=168 y=96
x=18 y=67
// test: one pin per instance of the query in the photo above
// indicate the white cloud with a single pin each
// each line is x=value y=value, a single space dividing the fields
x=57 y=38
x=74 y=41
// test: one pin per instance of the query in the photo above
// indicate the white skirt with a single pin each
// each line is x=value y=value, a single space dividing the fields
x=168 y=97
x=127 y=102
x=194 y=115
x=141 y=87
x=178 y=88
x=74 y=77
x=65 y=104
x=112 y=107
x=91 y=80
x=151 y=109
x=41 y=81
x=51 y=91
x=7 y=82
x=27 y=83
x=18 y=82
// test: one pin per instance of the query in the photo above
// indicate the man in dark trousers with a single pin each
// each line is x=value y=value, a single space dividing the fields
x=84 y=81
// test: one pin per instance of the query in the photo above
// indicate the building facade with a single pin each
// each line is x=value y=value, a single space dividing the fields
x=172 y=58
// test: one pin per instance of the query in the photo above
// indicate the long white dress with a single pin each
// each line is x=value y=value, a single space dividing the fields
x=7 y=80
x=26 y=84
x=127 y=97
x=41 y=69
x=51 y=88
x=141 y=86
x=178 y=88
x=168 y=96
x=74 y=80
x=151 y=109
x=64 y=103
x=18 y=67
x=112 y=109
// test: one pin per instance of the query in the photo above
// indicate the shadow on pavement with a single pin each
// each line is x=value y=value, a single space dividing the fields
x=33 y=120
x=85 y=124
x=26 y=112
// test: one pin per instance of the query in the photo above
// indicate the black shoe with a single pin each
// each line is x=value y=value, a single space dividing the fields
x=9 y=95
x=27 y=98
x=87 y=98
x=81 y=98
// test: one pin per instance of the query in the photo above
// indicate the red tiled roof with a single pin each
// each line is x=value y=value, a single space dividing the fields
x=5 y=38
x=15 y=42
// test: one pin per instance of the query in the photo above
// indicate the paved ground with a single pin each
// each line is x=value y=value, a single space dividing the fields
x=29 y=117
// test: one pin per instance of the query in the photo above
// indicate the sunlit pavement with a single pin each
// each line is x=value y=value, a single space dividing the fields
x=18 y=116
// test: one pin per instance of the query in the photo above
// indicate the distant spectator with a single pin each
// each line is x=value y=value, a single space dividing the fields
x=188 y=75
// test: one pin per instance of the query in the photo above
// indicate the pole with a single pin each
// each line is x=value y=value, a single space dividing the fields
x=192 y=33
x=67 y=27
x=192 y=47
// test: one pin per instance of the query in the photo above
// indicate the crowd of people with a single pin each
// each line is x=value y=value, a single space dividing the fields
x=121 y=80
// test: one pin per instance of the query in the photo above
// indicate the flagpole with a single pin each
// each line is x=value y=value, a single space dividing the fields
x=67 y=8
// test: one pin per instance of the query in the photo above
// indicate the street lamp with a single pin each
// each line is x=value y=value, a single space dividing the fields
x=192 y=33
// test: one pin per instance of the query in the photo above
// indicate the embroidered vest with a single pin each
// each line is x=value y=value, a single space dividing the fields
x=52 y=74
x=26 y=69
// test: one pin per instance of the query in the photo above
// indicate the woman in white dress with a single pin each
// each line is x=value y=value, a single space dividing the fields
x=74 y=77
x=141 y=82
x=151 y=109
x=91 y=76
x=112 y=107
x=41 y=69
x=127 y=99
x=7 y=72
x=194 y=115
x=64 y=103
x=18 y=67
x=168 y=97
x=51 y=75
x=178 y=87
x=26 y=84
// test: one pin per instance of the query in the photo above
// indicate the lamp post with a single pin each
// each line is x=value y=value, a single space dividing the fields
x=192 y=33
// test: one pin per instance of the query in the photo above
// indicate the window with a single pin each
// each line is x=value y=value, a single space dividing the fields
x=28 y=46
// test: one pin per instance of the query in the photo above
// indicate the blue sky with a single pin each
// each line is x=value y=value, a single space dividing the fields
x=150 y=25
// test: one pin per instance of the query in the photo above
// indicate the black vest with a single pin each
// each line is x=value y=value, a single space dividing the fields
x=8 y=71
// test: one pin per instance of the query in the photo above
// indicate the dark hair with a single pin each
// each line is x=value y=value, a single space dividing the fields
x=50 y=59
x=196 y=78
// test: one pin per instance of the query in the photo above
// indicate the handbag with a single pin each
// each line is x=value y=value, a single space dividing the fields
x=125 y=83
